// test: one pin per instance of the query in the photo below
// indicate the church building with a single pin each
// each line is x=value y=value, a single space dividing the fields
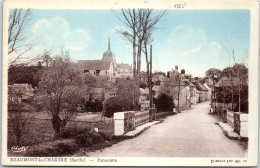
x=106 y=67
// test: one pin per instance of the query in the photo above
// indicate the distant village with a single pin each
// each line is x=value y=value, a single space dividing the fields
x=188 y=90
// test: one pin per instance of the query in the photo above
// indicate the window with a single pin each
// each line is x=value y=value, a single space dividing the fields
x=85 y=71
x=97 y=72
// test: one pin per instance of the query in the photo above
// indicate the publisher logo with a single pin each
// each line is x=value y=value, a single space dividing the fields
x=19 y=148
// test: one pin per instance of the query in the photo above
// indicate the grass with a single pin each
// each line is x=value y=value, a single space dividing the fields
x=38 y=130
x=38 y=134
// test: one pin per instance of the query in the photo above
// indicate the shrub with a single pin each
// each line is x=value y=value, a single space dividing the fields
x=72 y=132
x=143 y=85
x=52 y=149
x=95 y=106
x=89 y=138
x=164 y=103
x=115 y=104
x=84 y=137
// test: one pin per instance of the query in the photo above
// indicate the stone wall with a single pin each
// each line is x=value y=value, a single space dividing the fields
x=241 y=124
x=239 y=121
x=230 y=118
x=128 y=120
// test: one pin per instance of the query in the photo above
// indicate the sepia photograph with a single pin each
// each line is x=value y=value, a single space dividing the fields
x=120 y=83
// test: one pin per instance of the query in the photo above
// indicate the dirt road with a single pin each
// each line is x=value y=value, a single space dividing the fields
x=192 y=133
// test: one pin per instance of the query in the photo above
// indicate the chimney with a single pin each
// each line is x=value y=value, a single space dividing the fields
x=176 y=67
x=168 y=74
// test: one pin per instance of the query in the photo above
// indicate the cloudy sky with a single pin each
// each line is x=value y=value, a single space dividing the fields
x=195 y=40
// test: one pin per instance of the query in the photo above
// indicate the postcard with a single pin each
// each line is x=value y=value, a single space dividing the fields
x=130 y=83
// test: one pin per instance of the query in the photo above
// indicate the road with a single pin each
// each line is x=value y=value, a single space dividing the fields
x=191 y=133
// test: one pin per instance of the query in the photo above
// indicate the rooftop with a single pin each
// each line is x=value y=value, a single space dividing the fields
x=94 y=64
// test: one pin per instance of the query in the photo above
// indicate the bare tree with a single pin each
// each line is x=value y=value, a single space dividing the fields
x=18 y=43
x=148 y=26
x=142 y=23
x=130 y=19
x=62 y=91
x=238 y=77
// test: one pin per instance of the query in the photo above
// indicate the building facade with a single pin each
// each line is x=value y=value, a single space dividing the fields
x=106 y=67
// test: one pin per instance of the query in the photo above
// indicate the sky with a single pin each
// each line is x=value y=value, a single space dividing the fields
x=195 y=40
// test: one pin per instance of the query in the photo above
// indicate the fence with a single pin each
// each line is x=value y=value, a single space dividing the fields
x=128 y=120
x=141 y=118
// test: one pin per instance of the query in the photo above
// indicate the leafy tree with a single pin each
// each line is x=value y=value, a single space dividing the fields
x=164 y=103
x=213 y=73
x=24 y=74
x=143 y=85
x=125 y=92
x=113 y=105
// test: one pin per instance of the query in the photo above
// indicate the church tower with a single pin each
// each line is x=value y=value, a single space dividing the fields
x=109 y=56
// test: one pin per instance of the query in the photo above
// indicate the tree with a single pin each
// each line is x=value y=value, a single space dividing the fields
x=213 y=74
x=125 y=92
x=62 y=91
x=164 y=103
x=241 y=72
x=142 y=22
x=24 y=74
x=143 y=85
x=238 y=71
x=17 y=39
x=16 y=120
x=114 y=104
x=210 y=73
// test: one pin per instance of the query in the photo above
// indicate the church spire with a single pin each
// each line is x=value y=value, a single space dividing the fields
x=108 y=43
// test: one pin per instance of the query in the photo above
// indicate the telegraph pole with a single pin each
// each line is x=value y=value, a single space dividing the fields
x=179 y=94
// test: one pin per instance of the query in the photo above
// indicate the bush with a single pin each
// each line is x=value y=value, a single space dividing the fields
x=72 y=132
x=52 y=149
x=89 y=138
x=115 y=104
x=164 y=103
x=95 y=106
x=84 y=137
x=143 y=85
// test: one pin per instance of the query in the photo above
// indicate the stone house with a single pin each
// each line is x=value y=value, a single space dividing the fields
x=193 y=98
x=185 y=98
x=202 y=92
x=97 y=67
x=124 y=71
x=209 y=91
